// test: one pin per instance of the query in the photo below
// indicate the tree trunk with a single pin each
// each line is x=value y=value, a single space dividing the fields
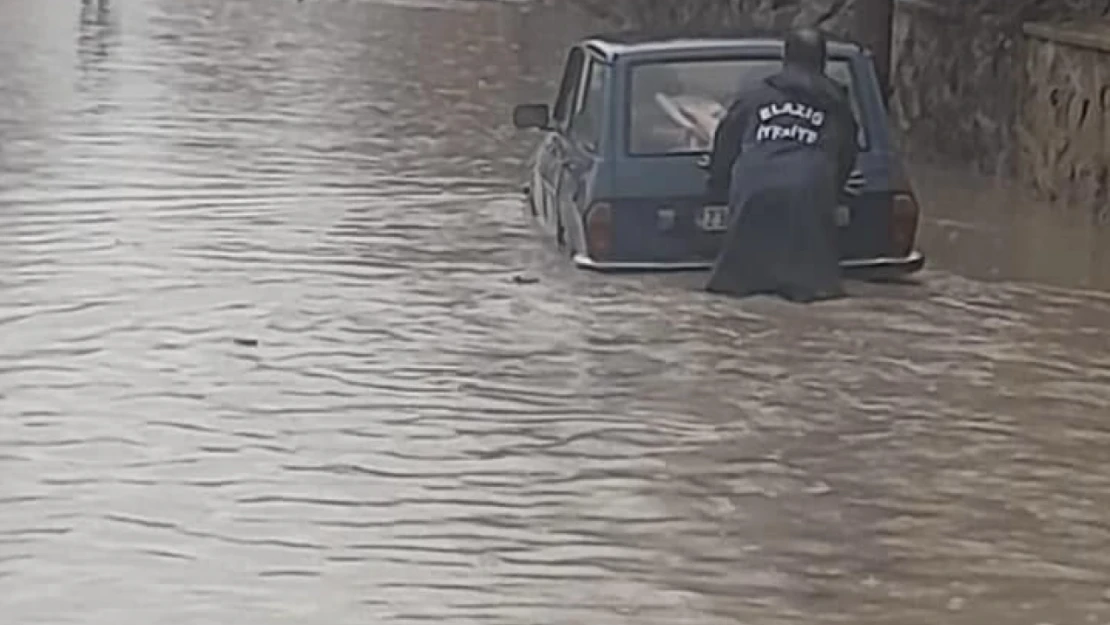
x=874 y=24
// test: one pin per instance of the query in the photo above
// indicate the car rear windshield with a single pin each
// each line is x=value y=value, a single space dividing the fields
x=675 y=105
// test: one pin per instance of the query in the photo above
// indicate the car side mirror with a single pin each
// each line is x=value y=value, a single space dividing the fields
x=526 y=116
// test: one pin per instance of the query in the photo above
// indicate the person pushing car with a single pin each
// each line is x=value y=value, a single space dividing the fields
x=781 y=158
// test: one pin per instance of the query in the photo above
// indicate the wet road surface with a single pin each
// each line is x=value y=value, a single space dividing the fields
x=417 y=438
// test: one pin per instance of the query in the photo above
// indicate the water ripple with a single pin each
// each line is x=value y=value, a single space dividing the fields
x=264 y=362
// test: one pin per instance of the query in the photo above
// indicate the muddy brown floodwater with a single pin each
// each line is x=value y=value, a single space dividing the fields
x=415 y=437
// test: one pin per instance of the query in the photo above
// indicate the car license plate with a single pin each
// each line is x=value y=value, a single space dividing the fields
x=843 y=216
x=714 y=218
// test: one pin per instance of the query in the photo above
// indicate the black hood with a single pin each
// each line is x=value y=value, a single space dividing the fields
x=809 y=86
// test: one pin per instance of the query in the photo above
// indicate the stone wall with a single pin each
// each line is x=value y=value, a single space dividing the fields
x=1030 y=101
x=1063 y=132
x=955 y=83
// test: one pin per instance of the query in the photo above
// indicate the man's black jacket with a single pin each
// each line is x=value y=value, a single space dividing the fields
x=782 y=114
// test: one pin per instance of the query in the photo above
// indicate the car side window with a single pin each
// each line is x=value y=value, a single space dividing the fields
x=585 y=124
x=568 y=87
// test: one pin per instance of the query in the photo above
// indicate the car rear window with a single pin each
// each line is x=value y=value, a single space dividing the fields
x=675 y=105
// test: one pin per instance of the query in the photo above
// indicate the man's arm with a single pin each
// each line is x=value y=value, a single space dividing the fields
x=726 y=147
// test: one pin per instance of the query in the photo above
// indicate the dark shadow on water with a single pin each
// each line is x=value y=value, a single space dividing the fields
x=995 y=230
x=96 y=19
x=892 y=283
x=95 y=10
x=98 y=37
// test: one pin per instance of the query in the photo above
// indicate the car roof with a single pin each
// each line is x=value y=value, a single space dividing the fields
x=663 y=43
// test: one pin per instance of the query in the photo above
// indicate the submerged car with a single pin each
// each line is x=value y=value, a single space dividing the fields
x=618 y=180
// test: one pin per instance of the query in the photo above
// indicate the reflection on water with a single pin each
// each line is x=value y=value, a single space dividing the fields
x=992 y=230
x=417 y=437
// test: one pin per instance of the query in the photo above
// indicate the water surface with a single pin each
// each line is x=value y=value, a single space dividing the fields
x=416 y=437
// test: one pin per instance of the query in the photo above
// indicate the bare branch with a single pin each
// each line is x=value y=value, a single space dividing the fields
x=834 y=10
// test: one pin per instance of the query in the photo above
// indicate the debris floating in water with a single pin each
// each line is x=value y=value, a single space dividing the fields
x=524 y=279
x=246 y=342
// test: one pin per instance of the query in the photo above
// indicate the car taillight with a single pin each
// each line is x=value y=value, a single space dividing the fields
x=599 y=229
x=904 y=215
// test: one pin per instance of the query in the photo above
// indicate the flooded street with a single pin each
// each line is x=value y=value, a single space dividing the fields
x=415 y=437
